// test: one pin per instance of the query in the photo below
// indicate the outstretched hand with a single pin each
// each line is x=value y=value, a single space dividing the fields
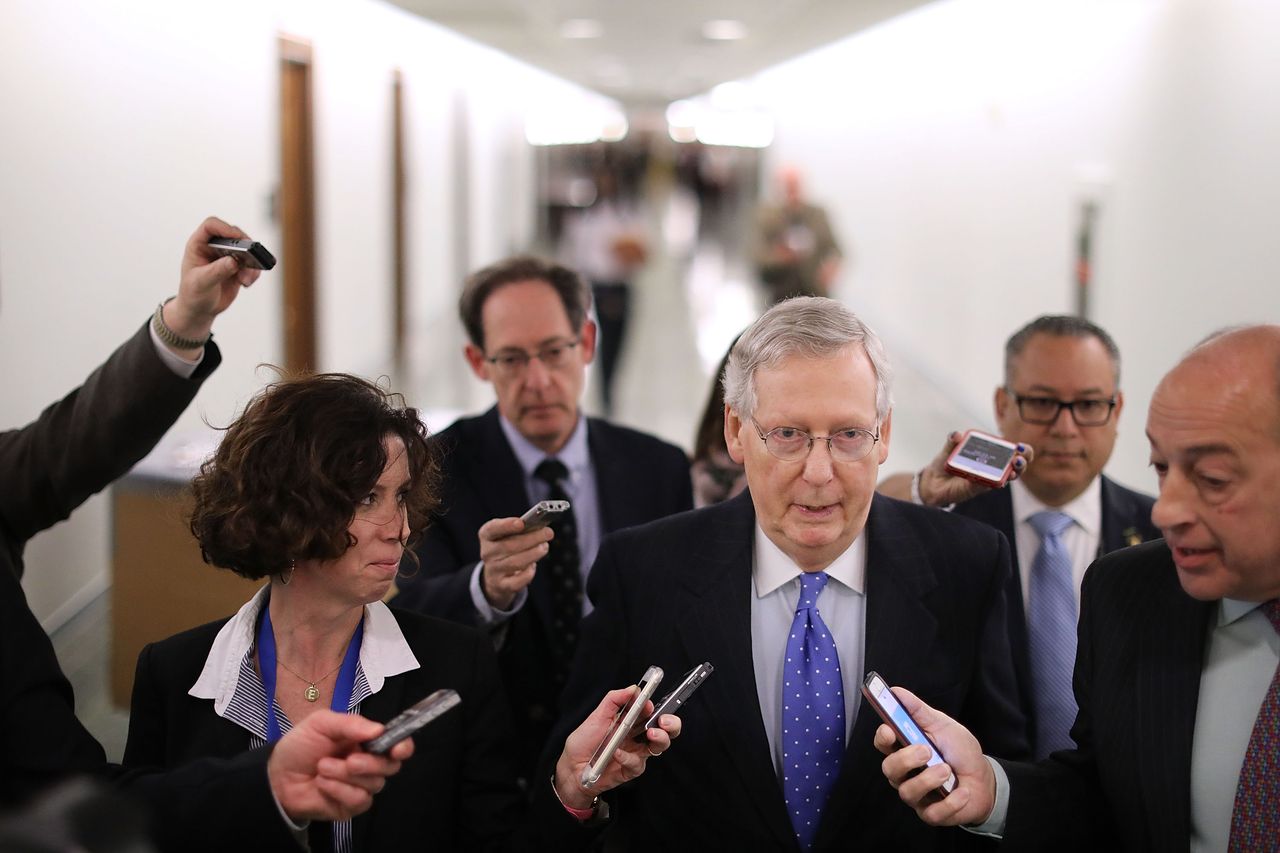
x=318 y=770
x=905 y=767
x=938 y=487
x=627 y=763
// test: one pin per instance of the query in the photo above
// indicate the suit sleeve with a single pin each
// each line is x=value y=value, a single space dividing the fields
x=41 y=741
x=80 y=444
x=145 y=746
x=213 y=805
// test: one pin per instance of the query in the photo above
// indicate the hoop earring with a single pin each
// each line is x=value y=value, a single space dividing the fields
x=287 y=574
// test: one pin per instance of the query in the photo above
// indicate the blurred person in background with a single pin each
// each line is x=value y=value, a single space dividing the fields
x=607 y=243
x=716 y=476
x=795 y=251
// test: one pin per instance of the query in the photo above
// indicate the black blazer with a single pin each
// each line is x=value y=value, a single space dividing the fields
x=457 y=792
x=1137 y=681
x=1126 y=520
x=639 y=479
x=677 y=592
x=75 y=448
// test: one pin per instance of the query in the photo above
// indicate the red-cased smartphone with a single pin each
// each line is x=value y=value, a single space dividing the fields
x=983 y=458
x=877 y=692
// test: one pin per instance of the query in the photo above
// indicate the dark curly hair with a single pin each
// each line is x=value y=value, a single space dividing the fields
x=284 y=483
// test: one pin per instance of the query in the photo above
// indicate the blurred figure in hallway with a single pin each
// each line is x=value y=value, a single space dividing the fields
x=606 y=242
x=795 y=251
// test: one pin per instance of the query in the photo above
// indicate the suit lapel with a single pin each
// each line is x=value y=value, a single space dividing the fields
x=1168 y=691
x=715 y=625
x=900 y=631
x=615 y=489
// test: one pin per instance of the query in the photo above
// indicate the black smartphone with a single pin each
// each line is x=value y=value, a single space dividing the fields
x=877 y=691
x=543 y=513
x=247 y=252
x=670 y=704
x=413 y=718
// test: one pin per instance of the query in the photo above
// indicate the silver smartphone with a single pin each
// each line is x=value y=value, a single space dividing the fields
x=413 y=718
x=543 y=513
x=622 y=724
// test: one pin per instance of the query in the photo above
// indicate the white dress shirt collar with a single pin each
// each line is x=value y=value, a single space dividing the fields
x=773 y=568
x=575 y=454
x=1085 y=509
x=384 y=651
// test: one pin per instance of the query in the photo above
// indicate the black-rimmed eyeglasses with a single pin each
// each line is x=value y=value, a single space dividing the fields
x=791 y=444
x=552 y=356
x=1045 y=410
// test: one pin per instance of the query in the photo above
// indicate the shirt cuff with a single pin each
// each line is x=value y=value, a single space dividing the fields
x=993 y=826
x=296 y=829
x=487 y=613
x=915 y=493
x=179 y=365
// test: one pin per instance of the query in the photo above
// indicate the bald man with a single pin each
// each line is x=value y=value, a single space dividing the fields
x=1178 y=668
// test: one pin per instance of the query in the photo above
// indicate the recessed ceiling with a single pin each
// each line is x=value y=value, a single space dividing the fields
x=649 y=53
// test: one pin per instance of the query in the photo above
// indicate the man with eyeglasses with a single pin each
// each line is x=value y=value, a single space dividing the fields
x=530 y=337
x=1060 y=397
x=792 y=591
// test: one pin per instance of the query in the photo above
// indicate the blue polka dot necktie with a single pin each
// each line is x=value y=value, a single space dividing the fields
x=1051 y=630
x=812 y=713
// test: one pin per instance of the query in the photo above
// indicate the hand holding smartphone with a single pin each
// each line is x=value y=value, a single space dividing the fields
x=411 y=719
x=622 y=724
x=983 y=458
x=877 y=692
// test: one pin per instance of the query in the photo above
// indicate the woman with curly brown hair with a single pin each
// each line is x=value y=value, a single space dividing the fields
x=319 y=487
x=316 y=488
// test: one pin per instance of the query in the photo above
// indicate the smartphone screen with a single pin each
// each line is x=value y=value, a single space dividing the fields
x=876 y=689
x=984 y=456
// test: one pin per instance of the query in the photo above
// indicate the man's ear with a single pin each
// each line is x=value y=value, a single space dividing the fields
x=1001 y=402
x=588 y=339
x=476 y=361
x=732 y=435
x=886 y=427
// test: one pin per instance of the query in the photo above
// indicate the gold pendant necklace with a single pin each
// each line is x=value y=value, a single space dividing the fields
x=312 y=693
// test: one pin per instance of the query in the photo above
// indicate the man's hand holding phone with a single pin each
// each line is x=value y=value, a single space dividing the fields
x=628 y=760
x=941 y=487
x=974 y=795
x=510 y=551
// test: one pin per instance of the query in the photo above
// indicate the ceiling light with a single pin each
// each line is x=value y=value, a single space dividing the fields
x=724 y=30
x=581 y=28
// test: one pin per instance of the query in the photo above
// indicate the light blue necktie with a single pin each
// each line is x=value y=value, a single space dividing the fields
x=1051 y=626
x=812 y=713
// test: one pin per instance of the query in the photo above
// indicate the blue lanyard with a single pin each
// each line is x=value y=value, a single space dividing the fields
x=267 y=663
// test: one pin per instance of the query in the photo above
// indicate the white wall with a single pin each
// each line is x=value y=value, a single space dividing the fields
x=127 y=122
x=952 y=145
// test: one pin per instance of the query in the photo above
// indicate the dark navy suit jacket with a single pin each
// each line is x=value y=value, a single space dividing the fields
x=678 y=592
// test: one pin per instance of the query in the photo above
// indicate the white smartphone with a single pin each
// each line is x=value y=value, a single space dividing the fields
x=983 y=458
x=622 y=724
x=543 y=513
x=877 y=691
